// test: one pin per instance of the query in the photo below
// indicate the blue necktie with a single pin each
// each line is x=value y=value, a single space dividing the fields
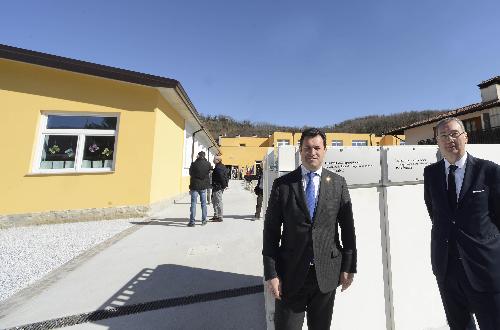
x=310 y=198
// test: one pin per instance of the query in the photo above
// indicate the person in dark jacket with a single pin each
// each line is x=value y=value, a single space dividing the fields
x=199 y=183
x=305 y=255
x=259 y=191
x=462 y=195
x=219 y=183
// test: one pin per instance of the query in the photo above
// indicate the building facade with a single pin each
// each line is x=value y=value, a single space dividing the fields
x=85 y=141
x=247 y=152
x=481 y=120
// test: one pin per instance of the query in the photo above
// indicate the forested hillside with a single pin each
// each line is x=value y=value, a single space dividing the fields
x=377 y=124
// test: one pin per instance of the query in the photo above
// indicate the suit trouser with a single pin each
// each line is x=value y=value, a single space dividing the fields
x=258 y=207
x=460 y=301
x=217 y=202
x=289 y=312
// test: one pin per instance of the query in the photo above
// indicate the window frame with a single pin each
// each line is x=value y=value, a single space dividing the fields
x=335 y=143
x=280 y=142
x=357 y=141
x=494 y=117
x=81 y=136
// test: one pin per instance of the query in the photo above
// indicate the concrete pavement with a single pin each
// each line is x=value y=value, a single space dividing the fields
x=214 y=270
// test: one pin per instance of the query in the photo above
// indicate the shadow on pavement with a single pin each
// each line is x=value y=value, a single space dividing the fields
x=180 y=297
x=174 y=222
x=182 y=222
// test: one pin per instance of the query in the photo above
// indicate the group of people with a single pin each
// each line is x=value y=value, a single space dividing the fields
x=208 y=184
x=204 y=178
x=306 y=257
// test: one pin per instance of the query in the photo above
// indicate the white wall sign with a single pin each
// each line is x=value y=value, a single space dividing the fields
x=287 y=159
x=358 y=165
x=407 y=163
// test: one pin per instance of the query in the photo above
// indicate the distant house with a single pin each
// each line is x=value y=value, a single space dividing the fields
x=88 y=141
x=481 y=120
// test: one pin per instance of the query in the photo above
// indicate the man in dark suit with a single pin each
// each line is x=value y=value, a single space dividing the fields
x=304 y=261
x=462 y=195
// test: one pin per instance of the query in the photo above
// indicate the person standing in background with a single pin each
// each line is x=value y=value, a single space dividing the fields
x=259 y=191
x=198 y=185
x=219 y=183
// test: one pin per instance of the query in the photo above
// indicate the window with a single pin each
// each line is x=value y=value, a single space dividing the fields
x=243 y=145
x=402 y=143
x=82 y=143
x=495 y=117
x=337 y=143
x=472 y=124
x=283 y=143
x=359 y=143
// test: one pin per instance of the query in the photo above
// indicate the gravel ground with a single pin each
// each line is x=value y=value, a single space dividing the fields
x=29 y=253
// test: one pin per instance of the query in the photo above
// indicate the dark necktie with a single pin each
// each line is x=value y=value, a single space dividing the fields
x=452 y=187
x=310 y=198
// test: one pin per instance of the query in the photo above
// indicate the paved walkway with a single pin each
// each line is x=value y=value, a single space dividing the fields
x=164 y=275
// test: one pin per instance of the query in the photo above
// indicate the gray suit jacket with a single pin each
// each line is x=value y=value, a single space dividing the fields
x=288 y=231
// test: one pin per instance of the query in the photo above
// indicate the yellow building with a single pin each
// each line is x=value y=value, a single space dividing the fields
x=82 y=141
x=247 y=152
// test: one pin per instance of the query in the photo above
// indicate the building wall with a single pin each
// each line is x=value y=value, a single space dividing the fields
x=242 y=156
x=346 y=138
x=256 y=147
x=490 y=93
x=25 y=91
x=390 y=140
x=248 y=141
x=166 y=179
x=281 y=136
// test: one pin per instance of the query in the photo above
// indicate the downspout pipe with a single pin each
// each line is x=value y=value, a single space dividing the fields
x=209 y=150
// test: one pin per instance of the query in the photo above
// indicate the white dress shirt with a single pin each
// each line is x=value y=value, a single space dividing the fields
x=459 y=172
x=316 y=181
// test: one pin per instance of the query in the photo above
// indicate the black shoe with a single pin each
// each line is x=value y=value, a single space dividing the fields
x=191 y=224
x=204 y=222
x=217 y=220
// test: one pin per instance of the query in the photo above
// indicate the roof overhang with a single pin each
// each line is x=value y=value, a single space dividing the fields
x=170 y=89
x=454 y=113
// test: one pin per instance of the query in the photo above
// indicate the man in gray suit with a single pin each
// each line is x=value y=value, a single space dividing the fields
x=304 y=260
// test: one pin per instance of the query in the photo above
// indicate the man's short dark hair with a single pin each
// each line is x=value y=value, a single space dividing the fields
x=201 y=154
x=310 y=133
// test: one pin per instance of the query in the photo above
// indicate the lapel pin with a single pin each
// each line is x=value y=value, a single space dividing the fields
x=327 y=179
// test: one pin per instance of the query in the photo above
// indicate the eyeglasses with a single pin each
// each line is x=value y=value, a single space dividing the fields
x=453 y=135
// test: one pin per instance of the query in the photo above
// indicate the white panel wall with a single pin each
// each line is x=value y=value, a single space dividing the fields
x=287 y=158
x=362 y=306
x=358 y=165
x=394 y=287
x=416 y=301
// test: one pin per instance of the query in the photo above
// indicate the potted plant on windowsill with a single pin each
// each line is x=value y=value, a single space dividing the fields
x=108 y=157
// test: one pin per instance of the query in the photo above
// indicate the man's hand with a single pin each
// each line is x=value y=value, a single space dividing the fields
x=346 y=280
x=274 y=286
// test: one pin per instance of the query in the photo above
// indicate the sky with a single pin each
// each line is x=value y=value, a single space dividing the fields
x=285 y=62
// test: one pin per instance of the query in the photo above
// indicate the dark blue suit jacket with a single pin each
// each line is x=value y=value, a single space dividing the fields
x=475 y=223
